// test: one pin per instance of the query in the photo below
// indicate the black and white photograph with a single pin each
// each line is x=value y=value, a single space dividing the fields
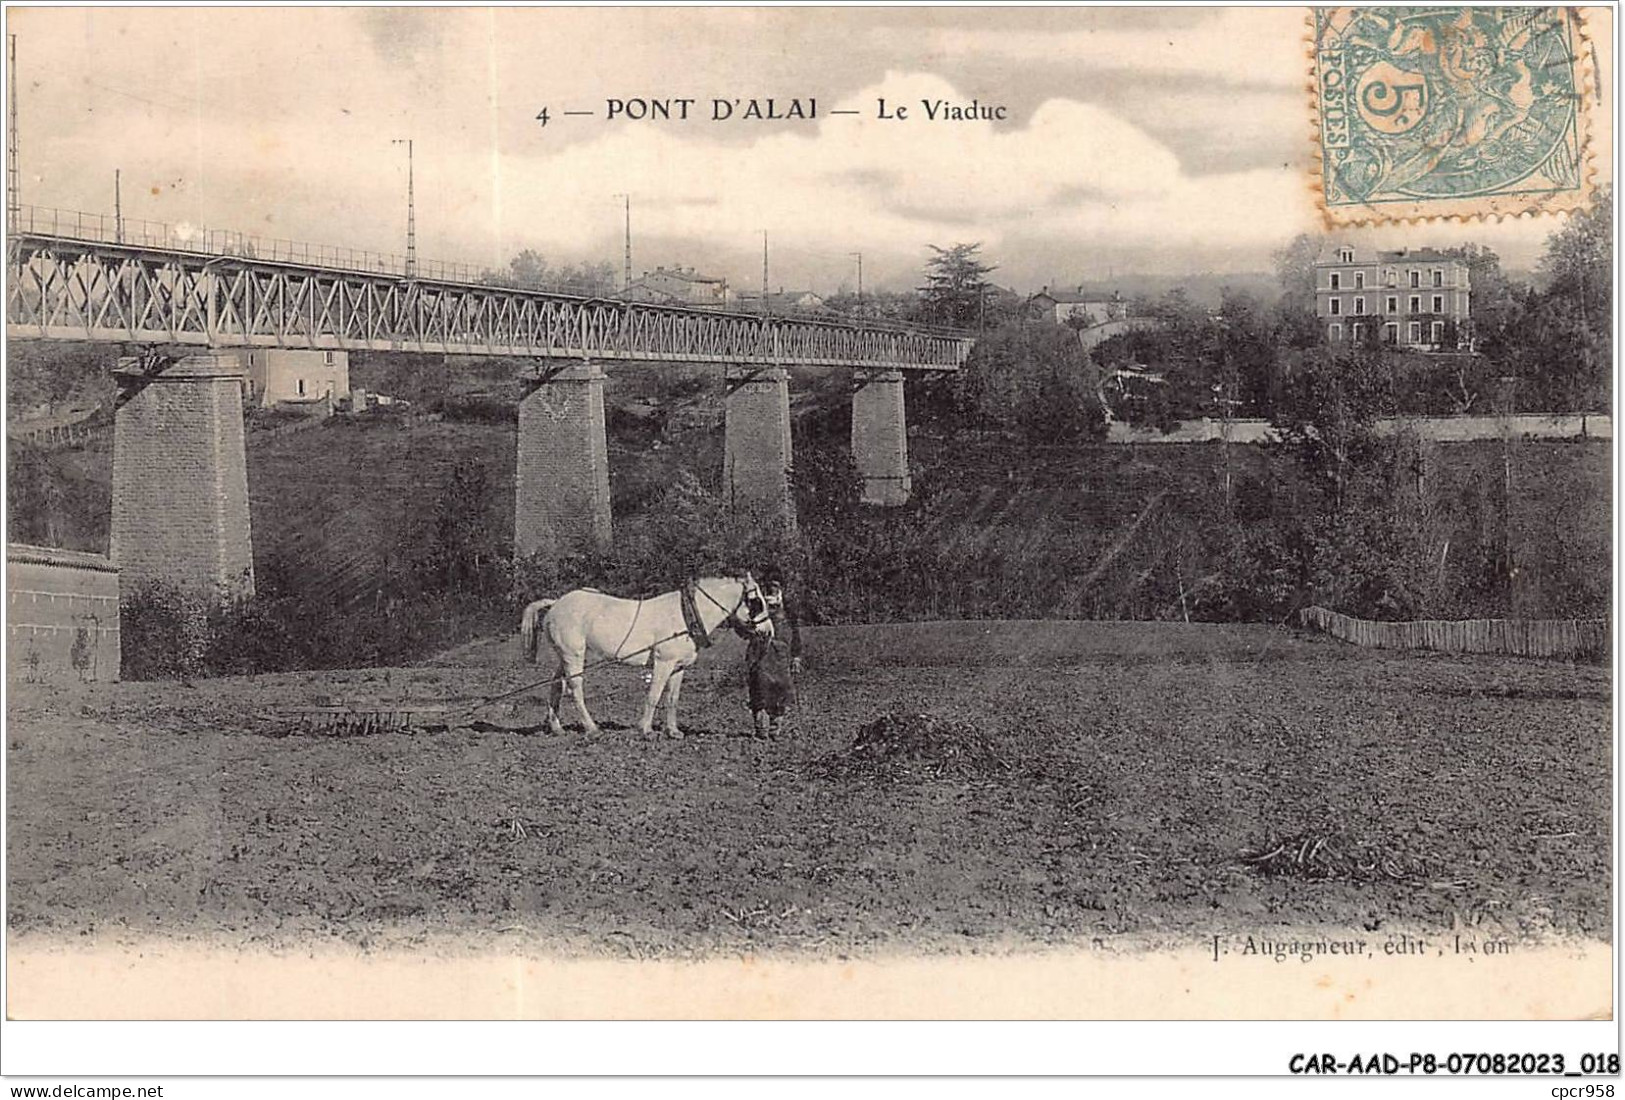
x=813 y=513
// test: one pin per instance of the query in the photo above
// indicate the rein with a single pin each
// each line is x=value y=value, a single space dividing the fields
x=620 y=658
x=600 y=663
x=728 y=614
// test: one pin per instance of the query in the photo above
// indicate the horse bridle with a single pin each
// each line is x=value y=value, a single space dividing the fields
x=755 y=604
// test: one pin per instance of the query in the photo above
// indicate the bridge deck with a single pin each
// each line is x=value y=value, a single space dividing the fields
x=63 y=288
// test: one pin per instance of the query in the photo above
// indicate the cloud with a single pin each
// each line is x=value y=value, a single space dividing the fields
x=1242 y=46
x=1170 y=140
x=1076 y=171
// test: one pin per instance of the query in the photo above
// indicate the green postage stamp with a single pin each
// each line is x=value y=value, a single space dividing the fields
x=1450 y=111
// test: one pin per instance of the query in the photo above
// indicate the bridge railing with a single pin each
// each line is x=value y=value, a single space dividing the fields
x=182 y=237
x=78 y=225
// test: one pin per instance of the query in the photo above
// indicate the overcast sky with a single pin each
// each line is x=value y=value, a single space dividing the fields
x=1156 y=142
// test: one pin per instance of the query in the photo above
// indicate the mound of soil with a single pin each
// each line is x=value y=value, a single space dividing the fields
x=1331 y=856
x=920 y=744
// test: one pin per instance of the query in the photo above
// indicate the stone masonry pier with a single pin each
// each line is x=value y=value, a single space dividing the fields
x=180 y=477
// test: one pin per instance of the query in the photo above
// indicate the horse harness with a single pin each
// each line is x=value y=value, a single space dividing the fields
x=691 y=612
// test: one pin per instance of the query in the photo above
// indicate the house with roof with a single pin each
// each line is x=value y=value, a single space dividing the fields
x=677 y=286
x=1409 y=298
x=1087 y=309
x=781 y=301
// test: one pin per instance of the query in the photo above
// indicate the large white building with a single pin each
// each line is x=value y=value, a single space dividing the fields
x=277 y=375
x=1413 y=299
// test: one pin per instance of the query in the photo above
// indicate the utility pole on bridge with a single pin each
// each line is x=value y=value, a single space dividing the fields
x=13 y=200
x=626 y=276
x=411 y=212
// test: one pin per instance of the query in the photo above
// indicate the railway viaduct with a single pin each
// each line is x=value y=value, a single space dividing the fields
x=180 y=475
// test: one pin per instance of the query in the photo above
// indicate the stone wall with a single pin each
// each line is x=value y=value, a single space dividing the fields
x=180 y=479
x=880 y=438
x=61 y=615
x=561 y=477
x=756 y=440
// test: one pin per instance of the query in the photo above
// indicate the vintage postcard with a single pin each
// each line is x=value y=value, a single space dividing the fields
x=810 y=513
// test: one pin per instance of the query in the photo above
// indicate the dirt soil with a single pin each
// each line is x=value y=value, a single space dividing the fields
x=948 y=787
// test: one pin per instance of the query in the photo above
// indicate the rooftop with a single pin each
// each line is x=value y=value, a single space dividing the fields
x=688 y=274
x=1072 y=297
x=1330 y=255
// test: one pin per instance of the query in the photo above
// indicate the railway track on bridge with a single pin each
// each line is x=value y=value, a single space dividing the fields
x=70 y=282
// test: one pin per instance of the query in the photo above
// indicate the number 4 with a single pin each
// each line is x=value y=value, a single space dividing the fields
x=542 y=117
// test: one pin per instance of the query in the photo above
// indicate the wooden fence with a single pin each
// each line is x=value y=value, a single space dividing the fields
x=1568 y=638
x=58 y=436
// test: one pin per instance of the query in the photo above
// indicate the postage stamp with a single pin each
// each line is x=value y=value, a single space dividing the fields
x=1449 y=112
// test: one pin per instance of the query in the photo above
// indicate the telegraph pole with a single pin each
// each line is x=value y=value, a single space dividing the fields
x=118 y=206
x=411 y=211
x=859 y=255
x=764 y=271
x=13 y=200
x=626 y=278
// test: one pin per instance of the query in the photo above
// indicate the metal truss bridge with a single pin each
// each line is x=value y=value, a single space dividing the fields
x=77 y=277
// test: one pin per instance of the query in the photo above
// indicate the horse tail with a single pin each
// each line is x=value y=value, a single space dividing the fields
x=527 y=626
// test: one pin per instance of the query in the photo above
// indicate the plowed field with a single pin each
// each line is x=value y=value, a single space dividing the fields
x=1045 y=784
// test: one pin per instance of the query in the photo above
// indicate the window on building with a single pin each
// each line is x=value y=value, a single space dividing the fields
x=1392 y=277
x=1416 y=279
x=329 y=358
x=1416 y=303
x=1357 y=332
x=301 y=387
x=1337 y=281
x=1438 y=333
x=1438 y=303
x=1347 y=255
x=1359 y=304
x=1359 y=280
x=1390 y=333
x=1334 y=332
x=1438 y=277
x=1393 y=303
x=1337 y=306
x=1415 y=332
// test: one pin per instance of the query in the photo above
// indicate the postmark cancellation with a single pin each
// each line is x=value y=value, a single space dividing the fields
x=1459 y=112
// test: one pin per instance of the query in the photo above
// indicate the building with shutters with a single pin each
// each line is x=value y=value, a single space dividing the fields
x=1410 y=298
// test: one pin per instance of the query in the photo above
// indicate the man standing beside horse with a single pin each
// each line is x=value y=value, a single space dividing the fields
x=773 y=660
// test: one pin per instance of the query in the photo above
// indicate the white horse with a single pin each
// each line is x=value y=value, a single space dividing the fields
x=659 y=632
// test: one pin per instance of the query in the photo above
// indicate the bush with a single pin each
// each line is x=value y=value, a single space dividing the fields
x=164 y=633
x=476 y=408
x=1033 y=381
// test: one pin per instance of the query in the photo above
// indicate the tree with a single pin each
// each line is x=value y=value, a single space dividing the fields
x=956 y=290
x=1556 y=339
x=1248 y=352
x=1295 y=265
x=1576 y=305
x=1492 y=305
x=1327 y=415
x=529 y=270
x=880 y=305
x=1350 y=529
x=1034 y=381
